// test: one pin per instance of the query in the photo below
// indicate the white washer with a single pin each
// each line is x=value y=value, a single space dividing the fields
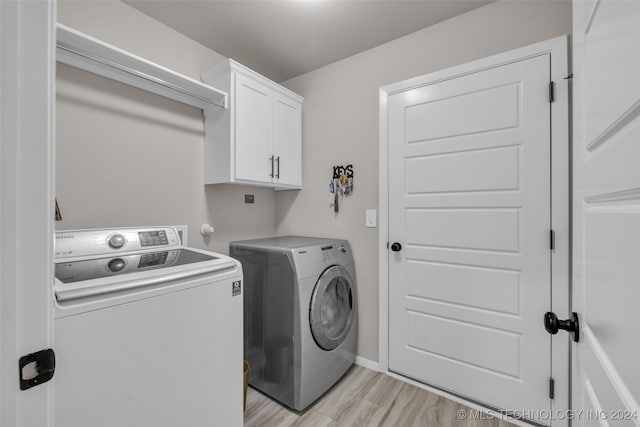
x=300 y=315
x=147 y=332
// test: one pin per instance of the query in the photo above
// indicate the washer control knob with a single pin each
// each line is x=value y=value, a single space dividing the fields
x=116 y=265
x=116 y=241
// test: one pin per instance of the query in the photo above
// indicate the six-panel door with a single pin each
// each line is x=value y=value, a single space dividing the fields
x=470 y=202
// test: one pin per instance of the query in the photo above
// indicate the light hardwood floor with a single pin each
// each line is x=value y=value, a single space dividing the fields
x=366 y=398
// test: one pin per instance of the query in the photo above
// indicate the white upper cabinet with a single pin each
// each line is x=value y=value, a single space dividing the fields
x=258 y=139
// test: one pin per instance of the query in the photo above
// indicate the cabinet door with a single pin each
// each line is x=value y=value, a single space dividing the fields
x=287 y=140
x=252 y=108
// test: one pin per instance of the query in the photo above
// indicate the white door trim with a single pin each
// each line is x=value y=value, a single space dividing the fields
x=557 y=48
x=27 y=130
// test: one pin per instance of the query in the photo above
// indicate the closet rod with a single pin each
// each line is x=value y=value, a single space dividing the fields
x=120 y=67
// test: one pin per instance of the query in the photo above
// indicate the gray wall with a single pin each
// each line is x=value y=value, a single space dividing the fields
x=125 y=157
x=340 y=124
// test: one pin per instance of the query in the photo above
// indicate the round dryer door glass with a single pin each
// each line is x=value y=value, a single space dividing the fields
x=331 y=310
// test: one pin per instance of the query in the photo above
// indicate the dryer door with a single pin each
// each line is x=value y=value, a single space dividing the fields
x=332 y=307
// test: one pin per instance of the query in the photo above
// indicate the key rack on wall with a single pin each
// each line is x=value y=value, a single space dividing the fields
x=341 y=185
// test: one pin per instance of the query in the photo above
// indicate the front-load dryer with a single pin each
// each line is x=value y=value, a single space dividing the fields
x=300 y=315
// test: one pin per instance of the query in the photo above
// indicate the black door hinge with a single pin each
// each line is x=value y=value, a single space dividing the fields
x=43 y=367
x=552 y=92
x=552 y=240
x=552 y=388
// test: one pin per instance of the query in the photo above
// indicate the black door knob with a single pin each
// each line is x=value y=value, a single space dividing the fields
x=552 y=324
x=396 y=247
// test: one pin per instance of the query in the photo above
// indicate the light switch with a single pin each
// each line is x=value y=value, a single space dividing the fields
x=371 y=218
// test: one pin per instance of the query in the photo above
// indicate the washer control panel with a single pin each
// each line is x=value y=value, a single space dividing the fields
x=153 y=238
x=74 y=243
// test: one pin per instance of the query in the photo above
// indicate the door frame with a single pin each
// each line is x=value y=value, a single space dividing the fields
x=558 y=49
x=27 y=130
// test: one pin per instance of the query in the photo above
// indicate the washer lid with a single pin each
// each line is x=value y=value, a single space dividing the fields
x=331 y=309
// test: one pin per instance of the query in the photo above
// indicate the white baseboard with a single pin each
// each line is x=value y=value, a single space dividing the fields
x=366 y=363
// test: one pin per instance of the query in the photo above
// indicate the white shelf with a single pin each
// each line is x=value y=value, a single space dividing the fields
x=90 y=54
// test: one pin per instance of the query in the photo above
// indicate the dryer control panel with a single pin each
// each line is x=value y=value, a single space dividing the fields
x=334 y=251
x=307 y=260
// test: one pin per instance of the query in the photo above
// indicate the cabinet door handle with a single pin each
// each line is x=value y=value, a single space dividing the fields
x=271 y=174
x=278 y=173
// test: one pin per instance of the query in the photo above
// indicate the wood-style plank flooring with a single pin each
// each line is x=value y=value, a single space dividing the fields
x=366 y=398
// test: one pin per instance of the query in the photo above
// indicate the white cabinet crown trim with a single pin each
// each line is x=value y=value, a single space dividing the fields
x=243 y=69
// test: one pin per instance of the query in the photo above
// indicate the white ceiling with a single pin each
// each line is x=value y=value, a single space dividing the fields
x=286 y=38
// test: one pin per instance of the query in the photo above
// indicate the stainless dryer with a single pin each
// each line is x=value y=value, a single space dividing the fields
x=300 y=315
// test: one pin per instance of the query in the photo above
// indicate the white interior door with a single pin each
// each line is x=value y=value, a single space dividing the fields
x=606 y=216
x=470 y=203
x=26 y=202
